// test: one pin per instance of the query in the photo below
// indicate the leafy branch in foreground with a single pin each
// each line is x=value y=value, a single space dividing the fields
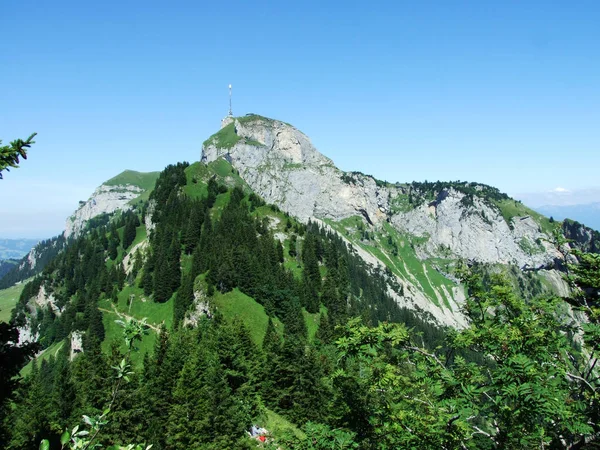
x=133 y=331
x=534 y=387
x=10 y=154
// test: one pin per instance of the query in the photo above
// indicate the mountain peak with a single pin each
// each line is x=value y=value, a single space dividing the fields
x=254 y=139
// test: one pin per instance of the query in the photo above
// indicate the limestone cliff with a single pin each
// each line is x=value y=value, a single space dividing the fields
x=115 y=194
x=281 y=164
x=442 y=223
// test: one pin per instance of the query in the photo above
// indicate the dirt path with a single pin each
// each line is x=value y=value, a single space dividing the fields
x=127 y=316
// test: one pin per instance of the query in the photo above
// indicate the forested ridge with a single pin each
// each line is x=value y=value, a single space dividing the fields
x=372 y=375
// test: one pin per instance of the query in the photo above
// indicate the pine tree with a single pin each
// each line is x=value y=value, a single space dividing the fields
x=293 y=244
x=31 y=419
x=183 y=300
x=96 y=327
x=113 y=245
x=129 y=231
x=194 y=227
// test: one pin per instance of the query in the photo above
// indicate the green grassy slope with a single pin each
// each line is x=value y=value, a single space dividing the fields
x=226 y=137
x=513 y=208
x=144 y=180
x=45 y=355
x=198 y=175
x=8 y=300
x=397 y=252
x=236 y=304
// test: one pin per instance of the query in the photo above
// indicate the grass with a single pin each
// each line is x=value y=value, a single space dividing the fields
x=406 y=264
x=45 y=355
x=221 y=168
x=277 y=425
x=144 y=180
x=290 y=263
x=8 y=299
x=313 y=321
x=226 y=137
x=142 y=198
x=255 y=117
x=114 y=333
x=199 y=173
x=155 y=313
x=236 y=304
x=512 y=208
x=140 y=235
x=401 y=203
x=220 y=203
x=430 y=279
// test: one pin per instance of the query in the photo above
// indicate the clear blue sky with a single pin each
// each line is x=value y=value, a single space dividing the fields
x=502 y=92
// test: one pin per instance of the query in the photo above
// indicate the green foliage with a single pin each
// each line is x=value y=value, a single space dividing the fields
x=12 y=358
x=317 y=436
x=235 y=304
x=45 y=250
x=513 y=208
x=428 y=191
x=10 y=154
x=279 y=348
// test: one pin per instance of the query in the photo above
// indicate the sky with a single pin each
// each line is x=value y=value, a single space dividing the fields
x=502 y=92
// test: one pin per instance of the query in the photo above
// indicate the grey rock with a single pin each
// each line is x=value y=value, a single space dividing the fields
x=105 y=199
x=281 y=165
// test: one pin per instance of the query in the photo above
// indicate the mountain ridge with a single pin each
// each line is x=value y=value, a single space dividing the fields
x=416 y=232
x=427 y=225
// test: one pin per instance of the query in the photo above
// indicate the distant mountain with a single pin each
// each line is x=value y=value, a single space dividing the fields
x=588 y=214
x=16 y=248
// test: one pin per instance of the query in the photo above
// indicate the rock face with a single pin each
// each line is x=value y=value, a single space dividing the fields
x=281 y=165
x=478 y=232
x=201 y=308
x=583 y=238
x=76 y=344
x=105 y=199
x=412 y=296
x=44 y=300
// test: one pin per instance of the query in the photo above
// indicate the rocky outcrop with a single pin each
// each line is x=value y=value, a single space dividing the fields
x=105 y=199
x=76 y=344
x=409 y=295
x=281 y=165
x=44 y=300
x=582 y=238
x=201 y=307
x=26 y=333
x=478 y=232
x=129 y=258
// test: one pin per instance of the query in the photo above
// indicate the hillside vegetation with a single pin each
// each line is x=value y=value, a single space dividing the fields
x=236 y=314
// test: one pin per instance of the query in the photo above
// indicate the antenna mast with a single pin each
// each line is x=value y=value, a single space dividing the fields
x=230 y=112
